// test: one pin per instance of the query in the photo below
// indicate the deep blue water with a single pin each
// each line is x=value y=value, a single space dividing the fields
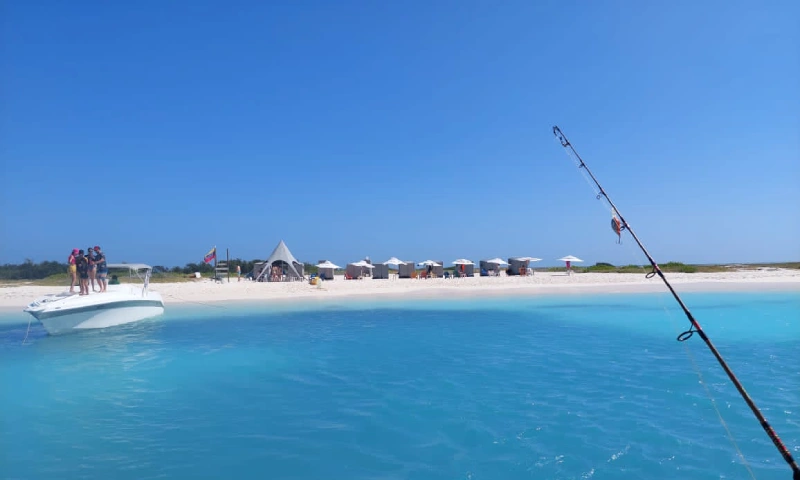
x=569 y=387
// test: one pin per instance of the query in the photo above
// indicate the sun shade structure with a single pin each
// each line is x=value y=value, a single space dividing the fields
x=464 y=268
x=358 y=269
x=326 y=269
x=491 y=267
x=433 y=267
x=381 y=270
x=286 y=266
x=406 y=270
x=520 y=265
x=569 y=259
x=430 y=262
x=497 y=261
x=394 y=261
x=328 y=264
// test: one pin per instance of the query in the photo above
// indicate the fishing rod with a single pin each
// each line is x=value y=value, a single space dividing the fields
x=695 y=327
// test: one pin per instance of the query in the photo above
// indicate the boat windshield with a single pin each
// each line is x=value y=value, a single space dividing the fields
x=138 y=270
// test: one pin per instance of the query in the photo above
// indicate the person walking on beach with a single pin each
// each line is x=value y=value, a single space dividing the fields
x=92 y=267
x=71 y=269
x=82 y=265
x=102 y=268
x=239 y=273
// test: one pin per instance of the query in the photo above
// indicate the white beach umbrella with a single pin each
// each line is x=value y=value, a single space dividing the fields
x=431 y=263
x=529 y=259
x=327 y=264
x=569 y=259
x=497 y=261
x=463 y=261
x=394 y=261
x=363 y=263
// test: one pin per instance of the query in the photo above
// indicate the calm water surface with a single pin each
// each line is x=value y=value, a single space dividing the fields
x=565 y=387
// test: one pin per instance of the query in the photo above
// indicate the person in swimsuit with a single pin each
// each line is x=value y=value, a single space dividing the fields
x=92 y=267
x=71 y=271
x=102 y=268
x=82 y=265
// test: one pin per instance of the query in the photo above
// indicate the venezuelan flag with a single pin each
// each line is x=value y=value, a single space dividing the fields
x=211 y=255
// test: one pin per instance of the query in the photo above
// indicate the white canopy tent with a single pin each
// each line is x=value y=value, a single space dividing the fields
x=497 y=261
x=381 y=270
x=394 y=261
x=293 y=269
x=491 y=267
x=521 y=265
x=464 y=268
x=328 y=264
x=529 y=259
x=326 y=268
x=432 y=268
x=356 y=269
x=431 y=263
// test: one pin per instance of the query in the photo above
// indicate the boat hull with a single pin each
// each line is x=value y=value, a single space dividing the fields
x=64 y=315
x=98 y=318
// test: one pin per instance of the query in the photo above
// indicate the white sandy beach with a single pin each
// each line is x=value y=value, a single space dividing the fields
x=542 y=283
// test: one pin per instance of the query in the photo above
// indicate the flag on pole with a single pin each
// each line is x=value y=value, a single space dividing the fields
x=211 y=255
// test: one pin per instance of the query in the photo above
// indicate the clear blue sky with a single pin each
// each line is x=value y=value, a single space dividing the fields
x=413 y=129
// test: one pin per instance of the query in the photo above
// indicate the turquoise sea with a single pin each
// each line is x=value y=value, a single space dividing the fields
x=563 y=387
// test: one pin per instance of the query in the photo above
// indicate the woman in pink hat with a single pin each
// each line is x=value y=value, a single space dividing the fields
x=72 y=270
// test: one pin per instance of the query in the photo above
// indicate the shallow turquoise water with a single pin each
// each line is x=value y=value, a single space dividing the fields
x=568 y=387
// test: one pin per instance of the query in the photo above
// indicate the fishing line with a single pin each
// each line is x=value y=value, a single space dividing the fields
x=694 y=325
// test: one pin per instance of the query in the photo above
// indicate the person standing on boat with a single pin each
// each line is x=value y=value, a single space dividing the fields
x=72 y=270
x=92 y=267
x=102 y=268
x=82 y=265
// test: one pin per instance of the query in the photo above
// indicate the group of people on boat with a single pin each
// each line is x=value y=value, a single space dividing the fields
x=88 y=267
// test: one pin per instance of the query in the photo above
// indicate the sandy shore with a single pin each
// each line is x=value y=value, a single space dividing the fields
x=16 y=297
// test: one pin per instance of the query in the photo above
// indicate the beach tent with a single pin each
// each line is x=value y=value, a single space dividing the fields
x=326 y=268
x=520 y=265
x=380 y=272
x=464 y=268
x=281 y=257
x=359 y=269
x=405 y=270
x=491 y=265
x=516 y=266
x=437 y=267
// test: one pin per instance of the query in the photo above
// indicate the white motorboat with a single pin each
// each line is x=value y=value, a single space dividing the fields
x=119 y=304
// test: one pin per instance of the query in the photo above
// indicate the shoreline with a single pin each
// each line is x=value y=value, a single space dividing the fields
x=15 y=298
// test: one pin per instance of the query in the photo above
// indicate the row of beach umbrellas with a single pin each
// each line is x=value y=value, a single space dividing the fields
x=461 y=261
